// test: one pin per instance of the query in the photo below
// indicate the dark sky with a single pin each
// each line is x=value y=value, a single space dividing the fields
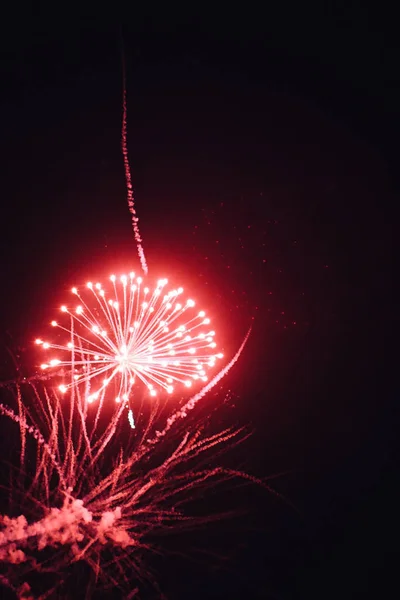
x=264 y=157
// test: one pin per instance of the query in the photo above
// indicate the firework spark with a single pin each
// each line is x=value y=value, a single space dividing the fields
x=132 y=336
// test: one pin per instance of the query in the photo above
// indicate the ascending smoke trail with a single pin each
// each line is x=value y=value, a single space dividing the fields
x=128 y=177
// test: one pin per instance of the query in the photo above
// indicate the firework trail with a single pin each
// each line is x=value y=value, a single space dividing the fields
x=128 y=176
x=87 y=494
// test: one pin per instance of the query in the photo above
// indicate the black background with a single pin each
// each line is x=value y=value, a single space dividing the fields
x=263 y=147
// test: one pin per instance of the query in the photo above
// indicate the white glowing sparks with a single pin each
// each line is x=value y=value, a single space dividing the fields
x=130 y=335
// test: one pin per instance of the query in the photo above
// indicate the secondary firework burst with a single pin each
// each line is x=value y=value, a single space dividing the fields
x=130 y=336
x=87 y=496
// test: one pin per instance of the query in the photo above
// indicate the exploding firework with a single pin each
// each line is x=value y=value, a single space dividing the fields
x=131 y=336
x=81 y=495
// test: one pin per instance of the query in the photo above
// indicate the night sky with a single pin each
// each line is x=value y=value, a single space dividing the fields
x=264 y=154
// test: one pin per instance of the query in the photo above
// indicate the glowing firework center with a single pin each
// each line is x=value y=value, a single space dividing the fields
x=132 y=334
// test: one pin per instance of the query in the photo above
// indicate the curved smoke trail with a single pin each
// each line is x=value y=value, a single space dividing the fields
x=181 y=413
